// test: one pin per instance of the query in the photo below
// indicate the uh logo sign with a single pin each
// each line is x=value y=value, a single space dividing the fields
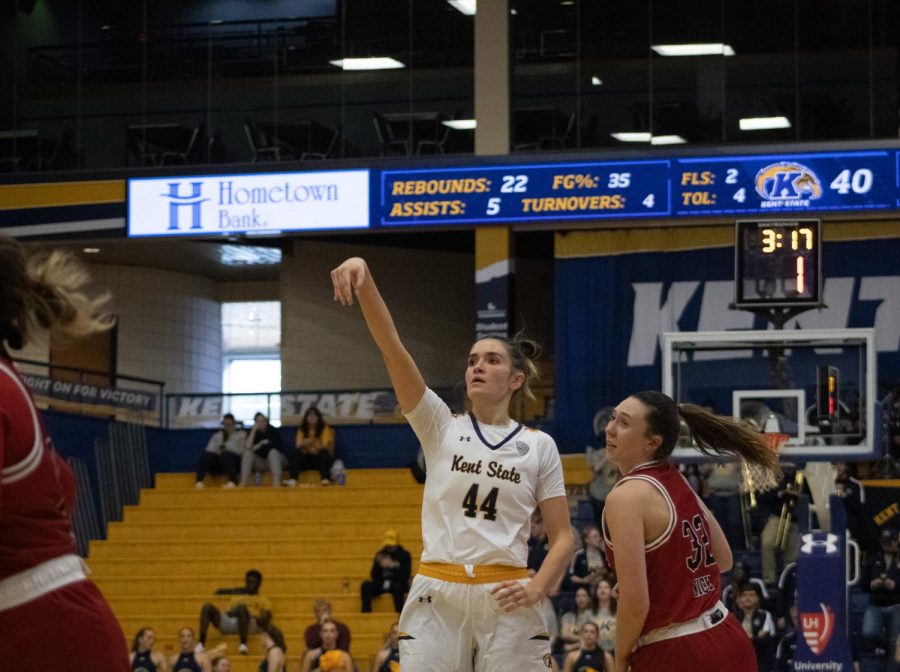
x=189 y=201
x=821 y=602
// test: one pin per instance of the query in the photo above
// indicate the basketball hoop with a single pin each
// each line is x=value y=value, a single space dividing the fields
x=774 y=440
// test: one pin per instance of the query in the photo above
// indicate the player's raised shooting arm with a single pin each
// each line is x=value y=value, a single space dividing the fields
x=353 y=277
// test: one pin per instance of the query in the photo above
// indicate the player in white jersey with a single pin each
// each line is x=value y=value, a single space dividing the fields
x=471 y=607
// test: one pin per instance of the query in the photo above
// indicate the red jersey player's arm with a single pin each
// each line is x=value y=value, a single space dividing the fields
x=717 y=541
x=624 y=512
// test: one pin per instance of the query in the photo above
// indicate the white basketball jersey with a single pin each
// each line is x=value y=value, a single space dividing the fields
x=484 y=482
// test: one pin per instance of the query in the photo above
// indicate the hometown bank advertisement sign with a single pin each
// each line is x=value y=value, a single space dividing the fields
x=253 y=203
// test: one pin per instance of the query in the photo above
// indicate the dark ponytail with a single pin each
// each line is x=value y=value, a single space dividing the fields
x=714 y=435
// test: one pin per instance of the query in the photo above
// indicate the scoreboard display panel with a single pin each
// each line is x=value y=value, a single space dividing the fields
x=778 y=263
x=525 y=193
x=490 y=191
x=672 y=187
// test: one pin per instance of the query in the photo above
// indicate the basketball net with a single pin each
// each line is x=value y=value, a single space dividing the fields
x=757 y=478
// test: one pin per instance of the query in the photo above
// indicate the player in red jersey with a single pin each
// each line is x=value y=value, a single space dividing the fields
x=51 y=617
x=666 y=548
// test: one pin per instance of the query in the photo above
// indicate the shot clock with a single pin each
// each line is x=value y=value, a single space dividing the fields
x=778 y=263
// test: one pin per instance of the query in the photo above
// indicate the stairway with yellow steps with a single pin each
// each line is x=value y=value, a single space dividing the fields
x=170 y=553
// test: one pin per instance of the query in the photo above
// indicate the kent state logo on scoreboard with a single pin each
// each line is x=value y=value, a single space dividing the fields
x=787 y=184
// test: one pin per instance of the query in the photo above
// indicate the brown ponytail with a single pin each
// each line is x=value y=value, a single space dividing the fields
x=714 y=435
x=717 y=435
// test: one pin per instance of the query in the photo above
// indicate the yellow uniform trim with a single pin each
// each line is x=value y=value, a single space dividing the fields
x=54 y=194
x=479 y=573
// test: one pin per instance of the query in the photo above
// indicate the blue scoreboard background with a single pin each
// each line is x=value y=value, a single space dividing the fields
x=672 y=187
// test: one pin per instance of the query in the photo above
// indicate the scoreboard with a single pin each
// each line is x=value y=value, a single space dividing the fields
x=674 y=187
x=499 y=191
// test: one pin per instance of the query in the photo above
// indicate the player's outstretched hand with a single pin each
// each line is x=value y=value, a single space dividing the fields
x=512 y=594
x=347 y=278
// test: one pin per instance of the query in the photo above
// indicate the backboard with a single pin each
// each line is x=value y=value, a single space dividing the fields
x=816 y=386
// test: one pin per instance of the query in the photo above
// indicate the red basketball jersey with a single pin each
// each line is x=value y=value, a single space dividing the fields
x=682 y=576
x=37 y=488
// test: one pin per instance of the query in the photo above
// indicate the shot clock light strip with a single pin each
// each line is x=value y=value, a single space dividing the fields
x=800 y=285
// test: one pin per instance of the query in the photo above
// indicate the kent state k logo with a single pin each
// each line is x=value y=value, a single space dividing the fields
x=817 y=629
x=179 y=200
x=786 y=181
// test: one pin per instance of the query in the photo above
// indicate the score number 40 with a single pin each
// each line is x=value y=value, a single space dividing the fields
x=858 y=181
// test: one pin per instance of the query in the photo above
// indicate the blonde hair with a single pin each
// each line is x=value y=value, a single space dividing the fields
x=46 y=290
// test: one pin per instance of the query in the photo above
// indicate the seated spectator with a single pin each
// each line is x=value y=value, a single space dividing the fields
x=881 y=620
x=221 y=664
x=275 y=648
x=604 y=607
x=223 y=453
x=787 y=645
x=390 y=574
x=740 y=574
x=248 y=611
x=313 y=448
x=757 y=623
x=572 y=620
x=262 y=450
x=143 y=656
x=588 y=655
x=588 y=563
x=312 y=636
x=388 y=658
x=328 y=657
x=189 y=658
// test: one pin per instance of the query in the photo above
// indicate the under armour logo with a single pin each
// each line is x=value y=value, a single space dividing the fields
x=465 y=438
x=425 y=598
x=829 y=543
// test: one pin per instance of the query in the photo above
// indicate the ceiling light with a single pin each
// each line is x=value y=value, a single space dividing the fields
x=667 y=140
x=763 y=123
x=91 y=250
x=460 y=124
x=631 y=136
x=373 y=63
x=567 y=2
x=700 y=49
x=467 y=7
x=596 y=81
x=513 y=12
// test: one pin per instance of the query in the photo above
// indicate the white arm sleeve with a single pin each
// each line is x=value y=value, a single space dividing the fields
x=429 y=420
x=550 y=479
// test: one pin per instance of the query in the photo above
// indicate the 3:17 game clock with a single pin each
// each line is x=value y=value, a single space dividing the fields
x=777 y=263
